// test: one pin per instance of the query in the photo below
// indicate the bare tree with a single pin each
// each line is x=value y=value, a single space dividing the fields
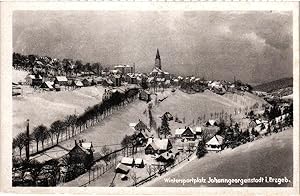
x=39 y=134
x=20 y=141
x=134 y=177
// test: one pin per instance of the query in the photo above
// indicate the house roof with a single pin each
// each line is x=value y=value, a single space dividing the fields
x=216 y=140
x=179 y=131
x=158 y=144
x=138 y=161
x=166 y=155
x=87 y=145
x=132 y=124
x=123 y=167
x=53 y=153
x=198 y=130
x=49 y=84
x=189 y=129
x=127 y=160
x=78 y=83
x=140 y=126
x=32 y=76
x=61 y=78
x=211 y=122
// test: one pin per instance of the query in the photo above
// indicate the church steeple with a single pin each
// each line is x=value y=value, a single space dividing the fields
x=157 y=54
x=157 y=60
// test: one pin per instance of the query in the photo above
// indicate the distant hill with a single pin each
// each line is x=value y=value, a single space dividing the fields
x=274 y=85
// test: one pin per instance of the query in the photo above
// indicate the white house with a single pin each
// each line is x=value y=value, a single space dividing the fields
x=215 y=143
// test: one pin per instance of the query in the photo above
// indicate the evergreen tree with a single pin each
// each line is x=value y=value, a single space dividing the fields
x=165 y=129
x=201 y=150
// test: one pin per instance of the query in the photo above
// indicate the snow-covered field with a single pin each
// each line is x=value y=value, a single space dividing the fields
x=271 y=156
x=46 y=107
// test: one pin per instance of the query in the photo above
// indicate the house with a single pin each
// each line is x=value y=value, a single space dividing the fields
x=122 y=169
x=107 y=94
x=107 y=82
x=139 y=162
x=124 y=69
x=33 y=80
x=211 y=123
x=128 y=161
x=116 y=79
x=131 y=78
x=47 y=85
x=141 y=137
x=211 y=127
x=157 y=145
x=140 y=126
x=115 y=72
x=61 y=80
x=198 y=132
x=216 y=143
x=98 y=80
x=178 y=132
x=252 y=124
x=166 y=157
x=145 y=95
x=82 y=153
x=86 y=82
x=78 y=84
x=188 y=134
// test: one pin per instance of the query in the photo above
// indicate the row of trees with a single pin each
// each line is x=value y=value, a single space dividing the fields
x=73 y=123
x=44 y=65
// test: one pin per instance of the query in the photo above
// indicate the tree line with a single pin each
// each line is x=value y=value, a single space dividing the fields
x=73 y=124
x=46 y=66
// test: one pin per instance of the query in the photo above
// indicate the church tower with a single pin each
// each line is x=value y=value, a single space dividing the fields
x=157 y=60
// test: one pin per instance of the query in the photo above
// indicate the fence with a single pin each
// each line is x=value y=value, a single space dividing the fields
x=160 y=172
x=98 y=170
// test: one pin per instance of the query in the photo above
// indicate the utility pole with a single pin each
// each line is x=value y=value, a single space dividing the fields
x=27 y=141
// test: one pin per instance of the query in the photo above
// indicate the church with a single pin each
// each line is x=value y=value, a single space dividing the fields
x=157 y=72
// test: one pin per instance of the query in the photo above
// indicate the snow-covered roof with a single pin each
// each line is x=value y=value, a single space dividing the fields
x=78 y=83
x=179 y=131
x=198 y=130
x=49 y=84
x=123 y=167
x=161 y=144
x=127 y=160
x=61 y=78
x=216 y=140
x=132 y=124
x=211 y=122
x=138 y=161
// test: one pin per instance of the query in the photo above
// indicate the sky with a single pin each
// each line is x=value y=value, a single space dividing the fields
x=253 y=46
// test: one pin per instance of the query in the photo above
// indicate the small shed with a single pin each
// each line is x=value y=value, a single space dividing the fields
x=139 y=162
x=128 y=161
x=122 y=169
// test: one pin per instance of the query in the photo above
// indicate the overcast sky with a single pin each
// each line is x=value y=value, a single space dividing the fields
x=253 y=46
